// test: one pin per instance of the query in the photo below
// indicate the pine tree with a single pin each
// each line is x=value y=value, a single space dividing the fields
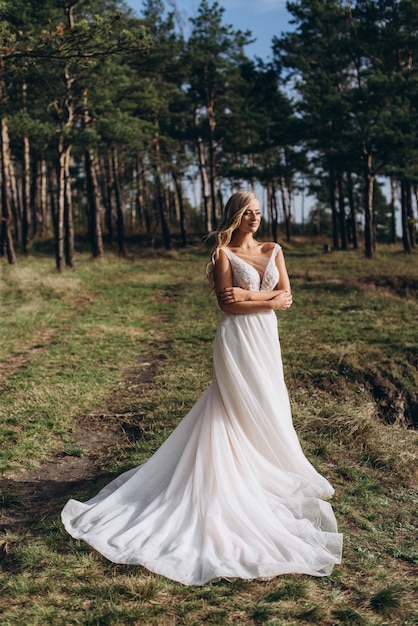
x=214 y=55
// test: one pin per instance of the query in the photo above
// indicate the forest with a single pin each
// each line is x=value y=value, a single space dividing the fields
x=116 y=125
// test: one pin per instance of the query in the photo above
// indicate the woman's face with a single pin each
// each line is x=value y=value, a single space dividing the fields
x=251 y=218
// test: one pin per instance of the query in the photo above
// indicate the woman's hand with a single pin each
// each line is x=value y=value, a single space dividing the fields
x=230 y=295
x=282 y=301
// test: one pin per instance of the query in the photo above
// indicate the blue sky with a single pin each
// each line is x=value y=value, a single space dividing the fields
x=264 y=18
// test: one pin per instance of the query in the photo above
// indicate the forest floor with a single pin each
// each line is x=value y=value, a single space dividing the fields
x=39 y=489
x=100 y=364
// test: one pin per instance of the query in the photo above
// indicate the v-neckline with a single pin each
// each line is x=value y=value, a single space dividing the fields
x=252 y=266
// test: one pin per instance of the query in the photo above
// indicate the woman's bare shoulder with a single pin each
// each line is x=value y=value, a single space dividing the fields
x=267 y=246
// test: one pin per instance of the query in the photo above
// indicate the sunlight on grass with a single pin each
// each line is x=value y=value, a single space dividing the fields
x=74 y=346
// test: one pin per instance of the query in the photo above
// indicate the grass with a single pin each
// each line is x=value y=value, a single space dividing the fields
x=75 y=349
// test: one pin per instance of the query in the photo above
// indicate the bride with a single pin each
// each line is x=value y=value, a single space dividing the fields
x=230 y=493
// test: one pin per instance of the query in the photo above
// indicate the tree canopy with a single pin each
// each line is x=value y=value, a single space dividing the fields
x=114 y=123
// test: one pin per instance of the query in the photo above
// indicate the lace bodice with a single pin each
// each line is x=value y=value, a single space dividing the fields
x=246 y=276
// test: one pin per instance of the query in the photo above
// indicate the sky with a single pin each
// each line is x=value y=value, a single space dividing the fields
x=264 y=18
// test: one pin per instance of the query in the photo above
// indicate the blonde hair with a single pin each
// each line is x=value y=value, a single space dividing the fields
x=234 y=209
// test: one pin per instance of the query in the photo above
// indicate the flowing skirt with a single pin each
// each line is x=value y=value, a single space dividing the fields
x=230 y=493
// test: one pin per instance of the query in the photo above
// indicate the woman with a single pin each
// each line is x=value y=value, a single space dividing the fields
x=230 y=493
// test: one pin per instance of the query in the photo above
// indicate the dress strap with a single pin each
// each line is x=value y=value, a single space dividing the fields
x=227 y=251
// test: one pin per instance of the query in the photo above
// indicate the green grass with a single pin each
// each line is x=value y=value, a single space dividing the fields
x=74 y=350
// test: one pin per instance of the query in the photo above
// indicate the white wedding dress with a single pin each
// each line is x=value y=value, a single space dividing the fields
x=230 y=493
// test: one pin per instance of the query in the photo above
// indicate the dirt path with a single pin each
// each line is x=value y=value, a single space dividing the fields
x=30 y=496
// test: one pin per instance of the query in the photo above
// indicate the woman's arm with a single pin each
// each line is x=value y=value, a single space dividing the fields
x=237 y=294
x=284 y=282
x=260 y=301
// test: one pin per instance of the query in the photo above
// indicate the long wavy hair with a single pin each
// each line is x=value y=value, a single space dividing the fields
x=234 y=209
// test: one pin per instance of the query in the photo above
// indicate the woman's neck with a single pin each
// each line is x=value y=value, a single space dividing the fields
x=244 y=241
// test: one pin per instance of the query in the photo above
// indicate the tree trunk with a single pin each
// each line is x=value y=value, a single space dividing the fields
x=369 y=225
x=26 y=194
x=392 y=209
x=406 y=233
x=107 y=194
x=59 y=213
x=26 y=182
x=286 y=206
x=94 y=205
x=68 y=216
x=33 y=197
x=161 y=210
x=410 y=213
x=182 y=213
x=204 y=182
x=120 y=219
x=143 y=198
x=6 y=239
x=353 y=212
x=52 y=183
x=170 y=208
x=14 y=199
x=204 y=185
x=333 y=205
x=285 y=193
x=212 y=164
x=43 y=195
x=93 y=191
x=341 y=212
x=160 y=196
x=140 y=194
x=274 y=214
